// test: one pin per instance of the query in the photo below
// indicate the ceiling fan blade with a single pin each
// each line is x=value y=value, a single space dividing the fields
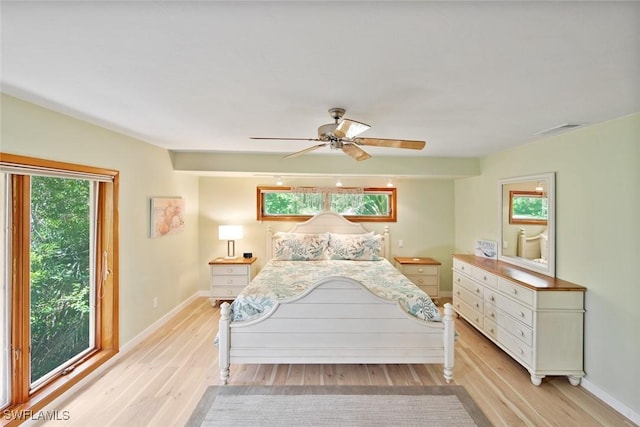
x=349 y=129
x=286 y=139
x=393 y=143
x=356 y=152
x=306 y=150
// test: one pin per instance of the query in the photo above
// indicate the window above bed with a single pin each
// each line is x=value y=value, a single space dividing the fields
x=528 y=207
x=370 y=204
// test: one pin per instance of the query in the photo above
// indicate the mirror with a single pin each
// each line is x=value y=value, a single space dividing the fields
x=527 y=222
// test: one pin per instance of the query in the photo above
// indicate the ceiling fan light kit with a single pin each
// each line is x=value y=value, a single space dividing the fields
x=342 y=135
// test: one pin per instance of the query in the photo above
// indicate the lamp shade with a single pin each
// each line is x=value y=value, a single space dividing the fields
x=230 y=232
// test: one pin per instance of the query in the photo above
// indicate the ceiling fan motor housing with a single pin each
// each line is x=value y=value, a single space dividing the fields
x=325 y=132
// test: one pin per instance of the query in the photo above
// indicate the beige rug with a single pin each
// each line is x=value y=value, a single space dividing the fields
x=303 y=406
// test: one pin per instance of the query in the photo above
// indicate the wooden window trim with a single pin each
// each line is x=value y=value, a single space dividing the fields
x=392 y=217
x=23 y=400
x=513 y=220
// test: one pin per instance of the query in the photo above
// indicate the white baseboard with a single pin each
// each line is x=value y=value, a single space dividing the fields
x=127 y=347
x=611 y=401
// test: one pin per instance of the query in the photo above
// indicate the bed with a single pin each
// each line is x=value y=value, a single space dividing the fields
x=535 y=248
x=347 y=314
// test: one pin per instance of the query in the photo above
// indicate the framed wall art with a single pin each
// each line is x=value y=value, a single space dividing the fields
x=167 y=216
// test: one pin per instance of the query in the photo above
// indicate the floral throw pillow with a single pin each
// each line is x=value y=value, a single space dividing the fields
x=357 y=247
x=300 y=246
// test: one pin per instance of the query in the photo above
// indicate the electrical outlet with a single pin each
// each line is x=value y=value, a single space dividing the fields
x=401 y=243
x=155 y=302
x=505 y=245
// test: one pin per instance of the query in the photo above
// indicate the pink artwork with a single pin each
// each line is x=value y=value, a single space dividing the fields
x=167 y=216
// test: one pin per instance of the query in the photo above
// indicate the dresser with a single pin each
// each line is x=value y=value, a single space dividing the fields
x=229 y=277
x=535 y=319
x=424 y=272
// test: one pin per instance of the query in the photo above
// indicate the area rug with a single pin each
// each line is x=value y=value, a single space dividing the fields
x=302 y=406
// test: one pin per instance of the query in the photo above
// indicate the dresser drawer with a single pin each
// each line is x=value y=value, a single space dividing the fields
x=515 y=328
x=485 y=278
x=516 y=291
x=490 y=311
x=423 y=280
x=468 y=312
x=515 y=310
x=468 y=284
x=225 y=291
x=217 y=270
x=229 y=281
x=519 y=349
x=462 y=266
x=467 y=297
x=431 y=270
x=490 y=296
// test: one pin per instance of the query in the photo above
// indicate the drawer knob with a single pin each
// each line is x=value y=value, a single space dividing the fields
x=420 y=270
x=522 y=352
x=458 y=280
x=492 y=331
x=515 y=292
x=457 y=292
x=493 y=315
x=477 y=290
x=420 y=281
x=484 y=278
x=492 y=299
x=522 y=314
x=229 y=270
x=477 y=305
x=521 y=333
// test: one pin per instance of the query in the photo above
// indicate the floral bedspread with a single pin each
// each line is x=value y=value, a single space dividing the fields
x=283 y=280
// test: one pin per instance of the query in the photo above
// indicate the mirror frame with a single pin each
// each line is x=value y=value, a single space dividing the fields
x=550 y=268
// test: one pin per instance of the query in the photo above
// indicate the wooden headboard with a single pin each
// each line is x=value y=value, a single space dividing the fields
x=329 y=222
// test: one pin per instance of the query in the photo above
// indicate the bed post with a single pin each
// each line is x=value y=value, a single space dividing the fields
x=449 y=341
x=223 y=341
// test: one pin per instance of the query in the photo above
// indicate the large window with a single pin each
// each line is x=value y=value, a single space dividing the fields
x=300 y=203
x=60 y=290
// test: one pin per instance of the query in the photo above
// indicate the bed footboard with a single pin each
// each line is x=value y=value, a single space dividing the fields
x=339 y=321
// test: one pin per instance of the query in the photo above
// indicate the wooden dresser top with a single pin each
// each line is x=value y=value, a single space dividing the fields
x=522 y=276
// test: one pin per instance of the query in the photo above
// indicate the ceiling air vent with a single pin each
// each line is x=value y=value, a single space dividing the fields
x=560 y=128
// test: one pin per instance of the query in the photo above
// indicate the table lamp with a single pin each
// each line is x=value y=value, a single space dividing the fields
x=230 y=233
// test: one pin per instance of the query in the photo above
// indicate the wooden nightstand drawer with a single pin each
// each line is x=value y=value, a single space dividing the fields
x=241 y=270
x=230 y=280
x=423 y=280
x=420 y=269
x=223 y=292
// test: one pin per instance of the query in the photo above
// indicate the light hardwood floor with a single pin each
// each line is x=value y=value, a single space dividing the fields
x=159 y=382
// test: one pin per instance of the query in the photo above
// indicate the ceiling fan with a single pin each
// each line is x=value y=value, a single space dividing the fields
x=343 y=135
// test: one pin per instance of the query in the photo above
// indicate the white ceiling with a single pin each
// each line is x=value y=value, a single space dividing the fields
x=470 y=78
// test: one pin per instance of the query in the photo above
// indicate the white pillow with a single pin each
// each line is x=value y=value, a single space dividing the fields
x=358 y=247
x=300 y=246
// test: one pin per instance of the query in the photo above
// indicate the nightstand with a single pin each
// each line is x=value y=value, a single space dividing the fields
x=424 y=272
x=229 y=277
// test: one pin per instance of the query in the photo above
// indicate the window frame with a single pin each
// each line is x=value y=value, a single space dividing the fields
x=25 y=400
x=530 y=194
x=391 y=191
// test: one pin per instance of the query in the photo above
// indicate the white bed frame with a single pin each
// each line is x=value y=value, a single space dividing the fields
x=337 y=320
x=531 y=247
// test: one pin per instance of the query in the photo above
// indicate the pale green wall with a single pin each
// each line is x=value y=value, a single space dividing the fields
x=597 y=224
x=425 y=218
x=167 y=267
x=597 y=208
